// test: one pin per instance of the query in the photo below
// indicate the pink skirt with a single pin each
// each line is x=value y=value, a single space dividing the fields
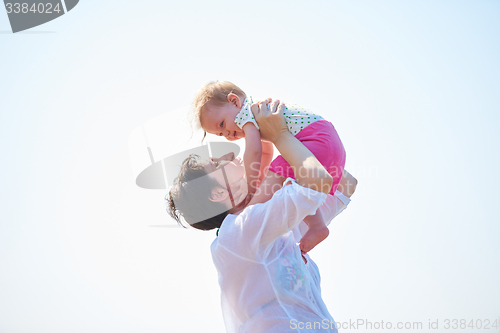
x=323 y=141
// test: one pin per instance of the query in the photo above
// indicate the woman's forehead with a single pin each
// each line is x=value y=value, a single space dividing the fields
x=211 y=168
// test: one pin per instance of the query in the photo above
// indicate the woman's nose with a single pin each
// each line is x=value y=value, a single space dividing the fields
x=228 y=157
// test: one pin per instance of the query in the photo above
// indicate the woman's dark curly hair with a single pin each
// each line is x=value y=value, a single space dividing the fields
x=189 y=197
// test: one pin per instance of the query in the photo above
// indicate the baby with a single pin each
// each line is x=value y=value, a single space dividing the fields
x=223 y=109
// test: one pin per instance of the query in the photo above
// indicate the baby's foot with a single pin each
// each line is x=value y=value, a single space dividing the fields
x=313 y=237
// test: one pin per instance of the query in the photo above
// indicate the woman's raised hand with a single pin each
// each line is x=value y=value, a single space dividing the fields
x=269 y=116
x=308 y=170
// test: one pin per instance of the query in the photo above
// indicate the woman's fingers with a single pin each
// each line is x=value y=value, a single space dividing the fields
x=274 y=106
x=281 y=108
x=255 y=109
x=264 y=108
x=270 y=119
x=266 y=101
x=261 y=106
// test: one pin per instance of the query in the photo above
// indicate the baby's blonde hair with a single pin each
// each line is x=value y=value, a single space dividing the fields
x=215 y=93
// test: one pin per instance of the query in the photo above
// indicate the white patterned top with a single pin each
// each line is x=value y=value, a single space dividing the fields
x=297 y=118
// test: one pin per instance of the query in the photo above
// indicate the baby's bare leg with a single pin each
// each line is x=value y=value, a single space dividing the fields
x=316 y=234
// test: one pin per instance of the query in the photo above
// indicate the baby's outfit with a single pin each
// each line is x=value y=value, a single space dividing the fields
x=316 y=133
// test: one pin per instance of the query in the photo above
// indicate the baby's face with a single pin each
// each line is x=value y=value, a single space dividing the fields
x=219 y=120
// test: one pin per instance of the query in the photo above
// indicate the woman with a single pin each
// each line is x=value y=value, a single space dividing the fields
x=266 y=284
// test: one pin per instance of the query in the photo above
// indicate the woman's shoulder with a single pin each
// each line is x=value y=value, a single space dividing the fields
x=234 y=222
x=244 y=226
x=237 y=234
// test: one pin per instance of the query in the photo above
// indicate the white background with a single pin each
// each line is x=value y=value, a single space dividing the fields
x=411 y=86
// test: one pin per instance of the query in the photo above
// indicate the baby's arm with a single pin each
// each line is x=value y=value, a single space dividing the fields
x=267 y=157
x=252 y=157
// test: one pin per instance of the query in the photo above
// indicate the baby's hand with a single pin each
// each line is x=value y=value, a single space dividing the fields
x=239 y=190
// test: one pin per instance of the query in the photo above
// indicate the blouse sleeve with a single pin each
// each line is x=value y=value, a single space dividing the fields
x=262 y=224
x=245 y=116
x=333 y=206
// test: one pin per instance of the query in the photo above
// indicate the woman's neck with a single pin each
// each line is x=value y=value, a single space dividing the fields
x=236 y=210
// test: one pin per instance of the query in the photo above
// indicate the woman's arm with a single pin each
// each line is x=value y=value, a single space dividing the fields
x=347 y=184
x=286 y=208
x=307 y=169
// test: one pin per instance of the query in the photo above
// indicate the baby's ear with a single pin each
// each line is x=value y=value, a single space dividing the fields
x=234 y=99
x=218 y=194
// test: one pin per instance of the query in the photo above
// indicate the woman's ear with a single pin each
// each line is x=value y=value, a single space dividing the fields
x=219 y=194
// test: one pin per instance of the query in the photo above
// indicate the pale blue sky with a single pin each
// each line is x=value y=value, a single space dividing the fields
x=412 y=88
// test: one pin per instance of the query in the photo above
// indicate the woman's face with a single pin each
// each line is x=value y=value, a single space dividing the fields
x=234 y=168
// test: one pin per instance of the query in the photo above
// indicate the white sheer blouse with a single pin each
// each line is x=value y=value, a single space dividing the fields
x=265 y=285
